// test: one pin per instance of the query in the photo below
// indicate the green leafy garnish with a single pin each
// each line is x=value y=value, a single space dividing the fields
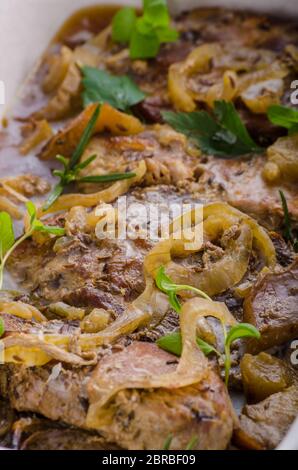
x=192 y=443
x=72 y=167
x=146 y=33
x=123 y=25
x=172 y=343
x=6 y=233
x=168 y=442
x=102 y=87
x=2 y=328
x=288 y=232
x=166 y=285
x=8 y=242
x=242 y=330
x=221 y=133
x=284 y=116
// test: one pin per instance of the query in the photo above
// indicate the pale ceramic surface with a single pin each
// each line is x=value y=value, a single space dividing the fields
x=26 y=27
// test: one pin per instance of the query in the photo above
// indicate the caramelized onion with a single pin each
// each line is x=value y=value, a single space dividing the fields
x=21 y=310
x=254 y=77
x=114 y=191
x=31 y=351
x=151 y=305
x=191 y=369
x=198 y=61
x=230 y=269
x=222 y=274
x=8 y=206
x=109 y=120
x=261 y=239
x=42 y=132
x=282 y=156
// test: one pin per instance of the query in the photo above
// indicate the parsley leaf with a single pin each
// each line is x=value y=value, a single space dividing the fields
x=284 y=117
x=221 y=133
x=144 y=34
x=123 y=24
x=102 y=87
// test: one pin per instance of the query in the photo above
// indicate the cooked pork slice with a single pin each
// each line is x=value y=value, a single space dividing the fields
x=245 y=188
x=268 y=421
x=168 y=155
x=87 y=272
x=81 y=262
x=142 y=419
x=65 y=439
x=13 y=324
x=31 y=389
x=272 y=306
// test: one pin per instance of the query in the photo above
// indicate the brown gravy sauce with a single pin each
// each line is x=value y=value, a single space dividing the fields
x=76 y=30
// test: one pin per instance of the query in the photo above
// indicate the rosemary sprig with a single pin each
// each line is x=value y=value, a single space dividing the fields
x=73 y=167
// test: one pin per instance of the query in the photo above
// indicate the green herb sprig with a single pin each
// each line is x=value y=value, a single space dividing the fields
x=8 y=243
x=72 y=167
x=168 y=442
x=166 y=285
x=288 y=231
x=221 y=133
x=173 y=342
x=241 y=330
x=284 y=116
x=146 y=33
x=191 y=444
x=100 y=86
x=2 y=327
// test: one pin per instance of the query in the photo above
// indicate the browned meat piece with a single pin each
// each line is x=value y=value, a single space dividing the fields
x=64 y=398
x=272 y=306
x=215 y=24
x=15 y=324
x=86 y=272
x=268 y=421
x=65 y=439
x=80 y=263
x=285 y=255
x=201 y=410
x=245 y=189
x=6 y=418
x=143 y=418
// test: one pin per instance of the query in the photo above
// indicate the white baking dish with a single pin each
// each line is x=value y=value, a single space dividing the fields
x=26 y=27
